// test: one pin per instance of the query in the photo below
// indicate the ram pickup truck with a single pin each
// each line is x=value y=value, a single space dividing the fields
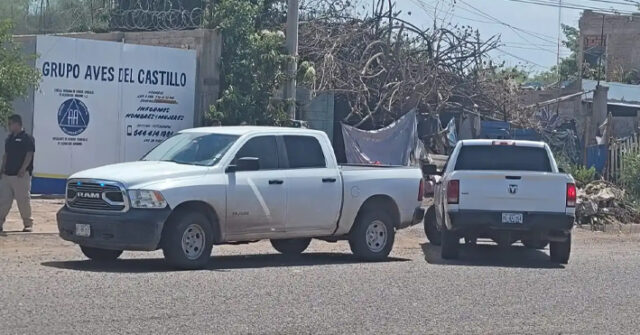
x=235 y=185
x=506 y=191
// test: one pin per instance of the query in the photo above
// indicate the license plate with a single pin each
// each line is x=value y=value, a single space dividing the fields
x=83 y=230
x=512 y=217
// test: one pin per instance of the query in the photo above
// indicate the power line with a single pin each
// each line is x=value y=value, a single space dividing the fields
x=521 y=58
x=516 y=30
x=628 y=3
x=573 y=6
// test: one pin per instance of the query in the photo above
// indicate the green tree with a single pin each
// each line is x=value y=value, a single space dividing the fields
x=568 y=66
x=253 y=64
x=16 y=76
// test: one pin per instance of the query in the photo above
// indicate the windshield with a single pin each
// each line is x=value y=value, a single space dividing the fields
x=192 y=148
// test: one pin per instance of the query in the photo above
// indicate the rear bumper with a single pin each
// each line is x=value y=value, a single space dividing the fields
x=137 y=229
x=543 y=224
x=418 y=215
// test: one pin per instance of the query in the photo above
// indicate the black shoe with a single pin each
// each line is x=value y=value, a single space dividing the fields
x=27 y=229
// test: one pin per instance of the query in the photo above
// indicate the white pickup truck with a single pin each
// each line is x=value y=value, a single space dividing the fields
x=506 y=191
x=233 y=185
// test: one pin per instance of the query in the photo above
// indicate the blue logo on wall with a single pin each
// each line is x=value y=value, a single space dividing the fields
x=73 y=117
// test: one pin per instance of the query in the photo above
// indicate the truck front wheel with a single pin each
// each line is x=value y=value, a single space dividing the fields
x=188 y=240
x=102 y=255
x=373 y=235
x=560 y=251
x=293 y=246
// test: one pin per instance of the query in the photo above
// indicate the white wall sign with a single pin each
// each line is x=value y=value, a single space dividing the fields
x=106 y=102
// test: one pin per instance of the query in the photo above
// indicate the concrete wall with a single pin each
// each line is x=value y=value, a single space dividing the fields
x=206 y=42
x=568 y=110
x=319 y=112
x=622 y=33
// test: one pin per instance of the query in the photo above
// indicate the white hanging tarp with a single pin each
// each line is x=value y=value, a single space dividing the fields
x=396 y=144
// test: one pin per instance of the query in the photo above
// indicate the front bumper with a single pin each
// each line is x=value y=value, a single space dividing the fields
x=545 y=225
x=136 y=229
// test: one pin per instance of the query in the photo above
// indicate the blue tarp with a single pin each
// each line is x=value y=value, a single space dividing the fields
x=597 y=157
x=503 y=130
x=494 y=129
x=525 y=134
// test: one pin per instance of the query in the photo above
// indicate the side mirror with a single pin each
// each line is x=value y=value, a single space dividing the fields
x=561 y=170
x=245 y=164
x=430 y=170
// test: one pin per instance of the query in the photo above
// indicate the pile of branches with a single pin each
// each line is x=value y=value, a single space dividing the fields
x=386 y=66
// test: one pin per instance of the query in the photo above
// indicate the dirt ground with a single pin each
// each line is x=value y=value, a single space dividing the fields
x=44 y=216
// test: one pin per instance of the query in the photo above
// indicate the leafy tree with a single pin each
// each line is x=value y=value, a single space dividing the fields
x=253 y=64
x=16 y=76
x=569 y=67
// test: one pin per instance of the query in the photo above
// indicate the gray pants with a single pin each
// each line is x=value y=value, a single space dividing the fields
x=18 y=188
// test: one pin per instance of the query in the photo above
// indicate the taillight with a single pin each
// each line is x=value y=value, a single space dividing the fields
x=572 y=195
x=421 y=190
x=453 y=192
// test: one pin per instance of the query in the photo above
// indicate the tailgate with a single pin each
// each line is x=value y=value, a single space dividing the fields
x=518 y=191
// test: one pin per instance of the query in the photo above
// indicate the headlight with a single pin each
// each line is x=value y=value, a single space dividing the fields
x=147 y=199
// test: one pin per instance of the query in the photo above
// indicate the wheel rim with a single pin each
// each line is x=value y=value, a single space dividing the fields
x=376 y=236
x=193 y=241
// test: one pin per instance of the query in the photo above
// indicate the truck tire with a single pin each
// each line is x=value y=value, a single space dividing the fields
x=535 y=244
x=450 y=245
x=431 y=227
x=560 y=251
x=188 y=240
x=373 y=235
x=291 y=246
x=101 y=255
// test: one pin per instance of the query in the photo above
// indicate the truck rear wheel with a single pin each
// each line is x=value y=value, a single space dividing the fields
x=450 y=245
x=373 y=235
x=188 y=240
x=535 y=244
x=431 y=227
x=560 y=251
x=102 y=255
x=292 y=246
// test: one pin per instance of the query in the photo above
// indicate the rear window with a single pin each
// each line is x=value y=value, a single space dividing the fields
x=304 y=152
x=503 y=157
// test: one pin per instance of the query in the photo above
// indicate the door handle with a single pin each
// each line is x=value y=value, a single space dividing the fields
x=276 y=182
x=329 y=180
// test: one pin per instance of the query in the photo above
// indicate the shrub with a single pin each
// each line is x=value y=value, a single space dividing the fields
x=582 y=175
x=630 y=174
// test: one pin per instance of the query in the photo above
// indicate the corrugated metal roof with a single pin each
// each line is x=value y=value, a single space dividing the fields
x=618 y=92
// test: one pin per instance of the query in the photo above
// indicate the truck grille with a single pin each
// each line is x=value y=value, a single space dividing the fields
x=96 y=196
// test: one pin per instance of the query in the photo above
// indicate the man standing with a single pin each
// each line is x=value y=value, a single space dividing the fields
x=17 y=167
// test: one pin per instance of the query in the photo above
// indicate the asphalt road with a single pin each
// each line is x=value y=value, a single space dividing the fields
x=46 y=287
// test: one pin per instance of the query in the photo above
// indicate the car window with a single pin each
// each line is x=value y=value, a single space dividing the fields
x=304 y=152
x=264 y=148
x=503 y=158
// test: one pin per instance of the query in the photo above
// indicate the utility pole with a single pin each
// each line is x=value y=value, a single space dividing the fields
x=292 y=48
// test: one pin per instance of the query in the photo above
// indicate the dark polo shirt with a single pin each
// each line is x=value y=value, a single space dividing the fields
x=16 y=148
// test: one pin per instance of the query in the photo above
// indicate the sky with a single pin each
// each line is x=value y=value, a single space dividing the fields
x=529 y=32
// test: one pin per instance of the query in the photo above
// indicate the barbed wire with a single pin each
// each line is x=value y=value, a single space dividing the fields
x=153 y=20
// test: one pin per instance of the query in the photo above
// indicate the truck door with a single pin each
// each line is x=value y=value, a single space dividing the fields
x=314 y=189
x=256 y=199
